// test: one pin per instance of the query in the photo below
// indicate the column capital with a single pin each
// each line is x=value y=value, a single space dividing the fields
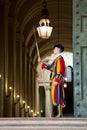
x=20 y=37
x=13 y=20
x=47 y=88
x=16 y=23
x=30 y=59
x=25 y=49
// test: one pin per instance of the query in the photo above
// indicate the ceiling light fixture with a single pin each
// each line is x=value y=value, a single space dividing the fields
x=44 y=29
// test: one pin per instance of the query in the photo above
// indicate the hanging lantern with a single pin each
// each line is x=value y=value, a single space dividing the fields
x=44 y=29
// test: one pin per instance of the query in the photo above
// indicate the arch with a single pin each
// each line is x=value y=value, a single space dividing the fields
x=35 y=10
x=18 y=6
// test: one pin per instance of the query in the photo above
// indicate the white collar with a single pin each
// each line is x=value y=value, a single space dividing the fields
x=59 y=54
x=53 y=57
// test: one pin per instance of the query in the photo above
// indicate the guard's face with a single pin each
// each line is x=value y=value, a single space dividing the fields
x=57 y=50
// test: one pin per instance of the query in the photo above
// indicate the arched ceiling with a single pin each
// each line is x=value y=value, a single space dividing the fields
x=28 y=14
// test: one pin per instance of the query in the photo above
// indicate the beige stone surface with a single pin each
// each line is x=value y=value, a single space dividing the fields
x=43 y=124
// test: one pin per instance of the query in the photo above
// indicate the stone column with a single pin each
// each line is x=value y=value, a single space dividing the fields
x=6 y=9
x=9 y=97
x=16 y=88
x=29 y=82
x=28 y=86
x=22 y=110
x=19 y=72
x=48 y=106
x=15 y=59
x=25 y=79
x=17 y=68
x=12 y=72
x=22 y=101
x=4 y=6
x=37 y=95
x=33 y=88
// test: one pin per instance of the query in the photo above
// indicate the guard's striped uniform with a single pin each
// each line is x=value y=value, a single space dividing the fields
x=57 y=69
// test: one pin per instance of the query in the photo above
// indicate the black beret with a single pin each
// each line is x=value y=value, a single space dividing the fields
x=59 y=46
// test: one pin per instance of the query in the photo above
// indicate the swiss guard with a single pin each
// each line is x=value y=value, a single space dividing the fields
x=58 y=72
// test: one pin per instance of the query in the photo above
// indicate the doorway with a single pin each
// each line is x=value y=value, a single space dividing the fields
x=69 y=109
x=42 y=101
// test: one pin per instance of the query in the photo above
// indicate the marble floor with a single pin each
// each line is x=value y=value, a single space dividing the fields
x=43 y=123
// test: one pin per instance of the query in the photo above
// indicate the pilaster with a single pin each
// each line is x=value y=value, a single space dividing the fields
x=4 y=7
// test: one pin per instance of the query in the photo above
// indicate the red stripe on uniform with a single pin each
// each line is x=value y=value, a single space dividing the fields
x=55 y=94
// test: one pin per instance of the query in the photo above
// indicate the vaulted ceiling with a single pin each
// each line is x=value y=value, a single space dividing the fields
x=28 y=14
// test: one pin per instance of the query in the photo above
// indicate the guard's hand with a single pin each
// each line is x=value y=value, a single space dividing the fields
x=55 y=83
x=39 y=60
